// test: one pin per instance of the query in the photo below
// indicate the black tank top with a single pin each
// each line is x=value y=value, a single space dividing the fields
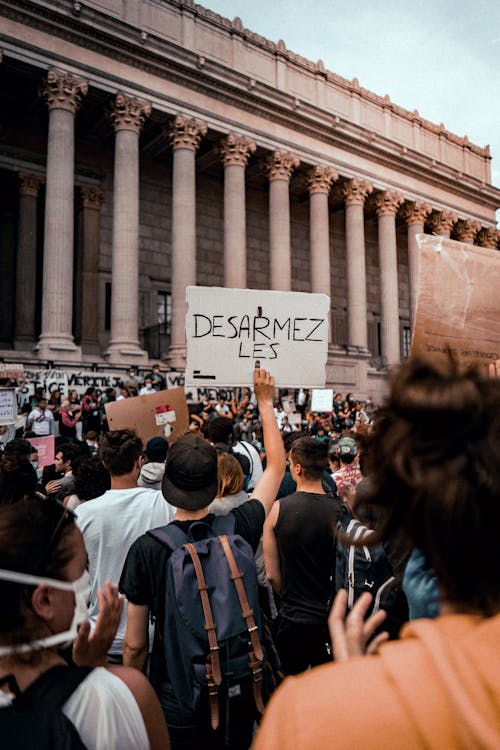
x=305 y=536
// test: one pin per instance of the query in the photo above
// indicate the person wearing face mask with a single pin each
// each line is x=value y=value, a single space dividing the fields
x=44 y=587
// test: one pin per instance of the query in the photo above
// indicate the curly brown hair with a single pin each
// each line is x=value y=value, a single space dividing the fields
x=433 y=459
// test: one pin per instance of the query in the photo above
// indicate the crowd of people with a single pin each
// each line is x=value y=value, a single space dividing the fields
x=113 y=557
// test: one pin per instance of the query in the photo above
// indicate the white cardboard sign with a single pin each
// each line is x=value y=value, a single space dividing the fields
x=322 y=400
x=229 y=330
x=8 y=406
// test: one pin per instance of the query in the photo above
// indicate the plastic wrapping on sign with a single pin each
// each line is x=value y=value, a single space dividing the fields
x=458 y=304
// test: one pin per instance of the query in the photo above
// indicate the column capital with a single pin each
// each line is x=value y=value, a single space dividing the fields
x=63 y=90
x=319 y=179
x=236 y=149
x=279 y=165
x=387 y=202
x=92 y=198
x=129 y=113
x=186 y=132
x=416 y=213
x=355 y=191
x=466 y=230
x=442 y=221
x=29 y=184
x=488 y=237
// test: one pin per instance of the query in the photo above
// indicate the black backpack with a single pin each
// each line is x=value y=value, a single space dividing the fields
x=35 y=721
x=361 y=568
x=217 y=652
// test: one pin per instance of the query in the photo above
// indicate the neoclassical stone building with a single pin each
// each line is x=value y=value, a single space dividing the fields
x=145 y=146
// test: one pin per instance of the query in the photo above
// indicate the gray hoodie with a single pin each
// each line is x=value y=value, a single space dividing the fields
x=151 y=475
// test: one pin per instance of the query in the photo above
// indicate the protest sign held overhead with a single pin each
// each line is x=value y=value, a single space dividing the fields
x=228 y=331
x=322 y=400
x=161 y=413
x=458 y=305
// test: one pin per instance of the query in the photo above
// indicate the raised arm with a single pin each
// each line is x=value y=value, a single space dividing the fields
x=267 y=487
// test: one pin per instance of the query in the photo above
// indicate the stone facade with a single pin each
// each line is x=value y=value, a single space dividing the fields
x=166 y=145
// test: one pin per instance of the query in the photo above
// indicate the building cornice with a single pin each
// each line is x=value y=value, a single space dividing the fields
x=112 y=38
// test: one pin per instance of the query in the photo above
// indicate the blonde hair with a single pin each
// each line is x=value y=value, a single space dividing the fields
x=229 y=475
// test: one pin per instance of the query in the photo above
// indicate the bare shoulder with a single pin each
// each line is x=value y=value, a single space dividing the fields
x=136 y=682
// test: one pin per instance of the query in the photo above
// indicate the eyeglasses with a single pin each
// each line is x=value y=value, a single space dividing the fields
x=66 y=514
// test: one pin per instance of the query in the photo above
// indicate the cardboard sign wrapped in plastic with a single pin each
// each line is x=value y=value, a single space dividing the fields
x=458 y=307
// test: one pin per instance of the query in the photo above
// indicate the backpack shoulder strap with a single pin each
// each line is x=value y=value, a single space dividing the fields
x=170 y=536
x=214 y=677
x=256 y=654
x=56 y=685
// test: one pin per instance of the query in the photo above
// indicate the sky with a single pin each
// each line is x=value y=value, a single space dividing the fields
x=441 y=57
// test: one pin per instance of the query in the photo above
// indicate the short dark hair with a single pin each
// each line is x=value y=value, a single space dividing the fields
x=91 y=479
x=19 y=447
x=433 y=459
x=17 y=478
x=119 y=451
x=70 y=451
x=220 y=430
x=311 y=455
x=289 y=439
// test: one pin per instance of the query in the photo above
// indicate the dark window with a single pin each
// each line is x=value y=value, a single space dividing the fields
x=164 y=311
x=406 y=342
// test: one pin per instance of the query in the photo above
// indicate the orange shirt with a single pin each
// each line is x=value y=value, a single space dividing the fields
x=438 y=688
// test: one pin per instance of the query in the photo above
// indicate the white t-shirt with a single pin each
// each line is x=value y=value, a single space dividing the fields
x=41 y=422
x=110 y=524
x=105 y=713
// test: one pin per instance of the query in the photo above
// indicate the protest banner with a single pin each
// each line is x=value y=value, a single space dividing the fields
x=322 y=399
x=8 y=406
x=161 y=413
x=458 y=307
x=228 y=331
x=45 y=446
x=11 y=371
x=49 y=380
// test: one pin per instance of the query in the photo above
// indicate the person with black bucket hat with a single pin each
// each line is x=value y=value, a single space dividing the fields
x=190 y=484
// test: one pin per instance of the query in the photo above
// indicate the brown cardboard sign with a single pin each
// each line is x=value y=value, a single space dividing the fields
x=161 y=413
x=458 y=307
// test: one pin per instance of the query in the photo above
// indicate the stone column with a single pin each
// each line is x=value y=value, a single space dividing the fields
x=466 y=230
x=185 y=135
x=127 y=115
x=415 y=215
x=279 y=167
x=91 y=204
x=386 y=204
x=62 y=92
x=488 y=237
x=235 y=151
x=354 y=193
x=319 y=180
x=441 y=222
x=29 y=185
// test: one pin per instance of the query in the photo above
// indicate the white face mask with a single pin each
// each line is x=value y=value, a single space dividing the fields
x=81 y=589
